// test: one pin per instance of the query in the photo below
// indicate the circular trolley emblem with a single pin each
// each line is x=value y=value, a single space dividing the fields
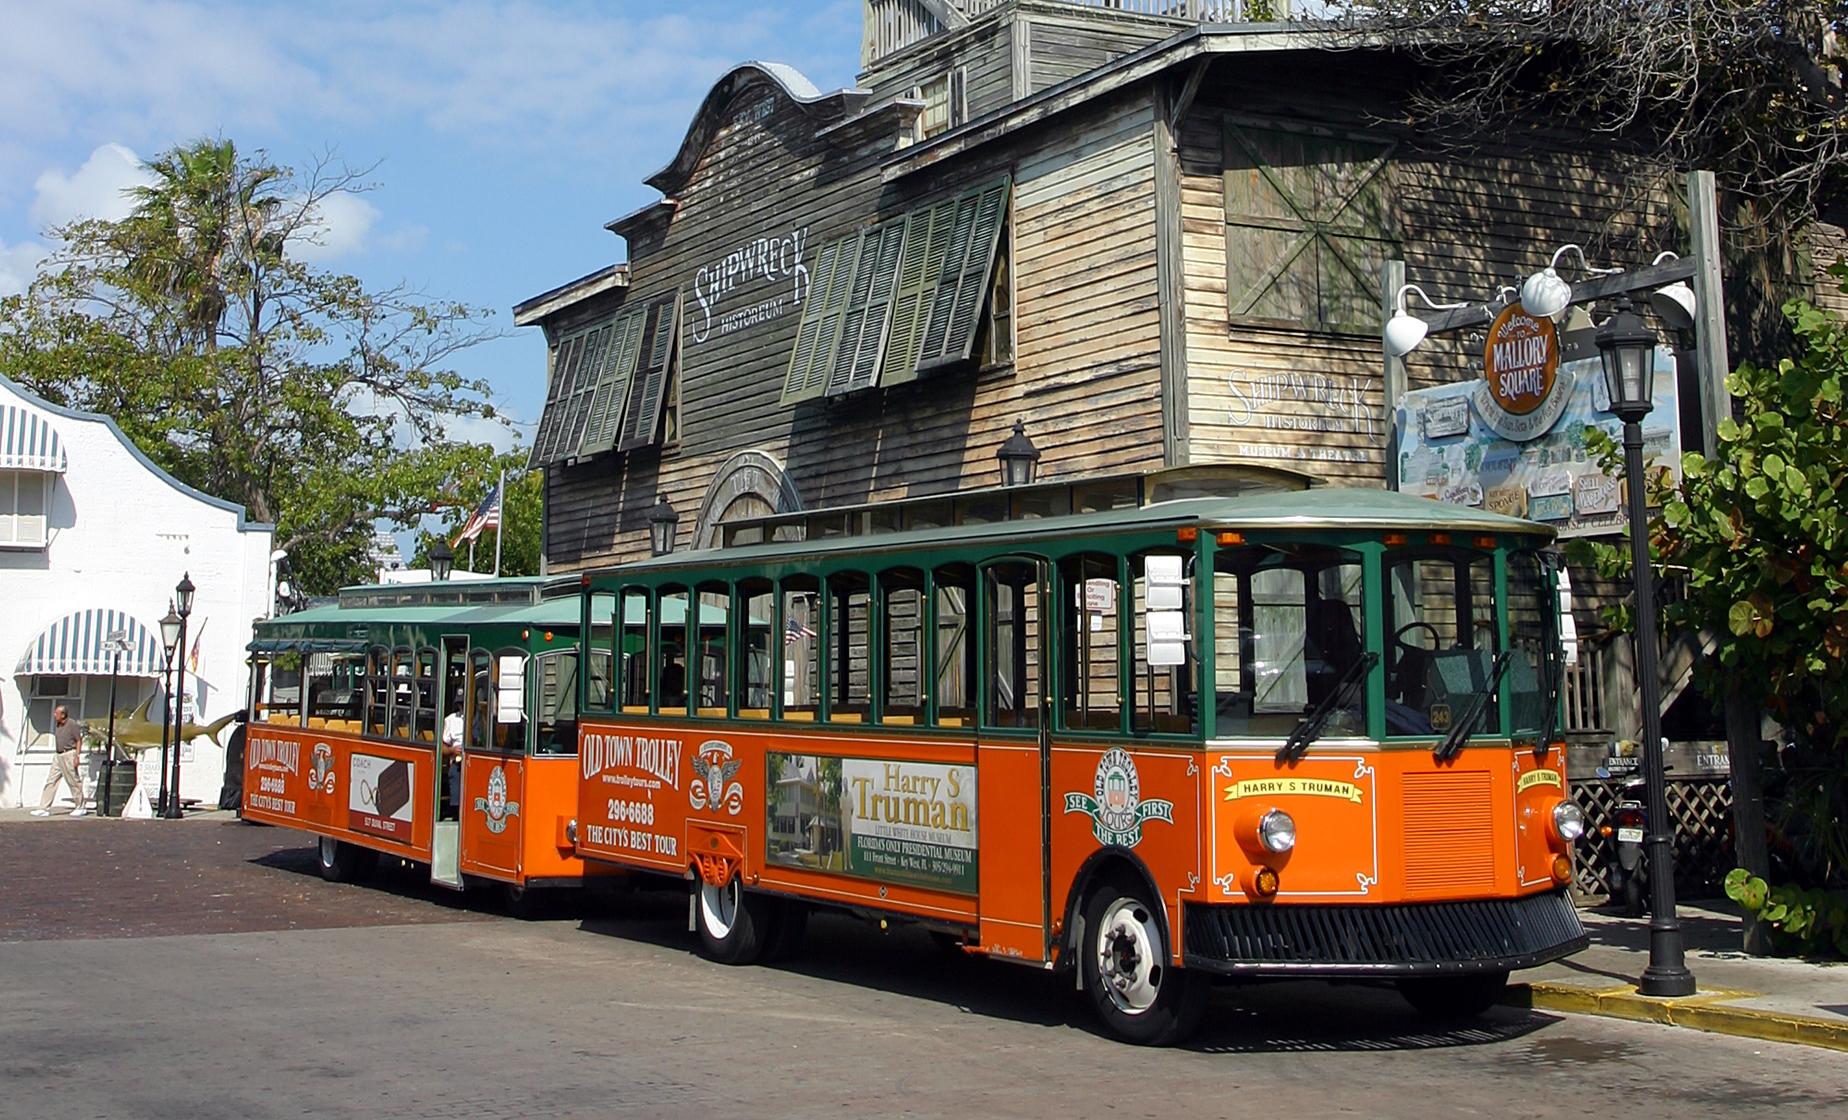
x=321 y=768
x=1115 y=803
x=495 y=805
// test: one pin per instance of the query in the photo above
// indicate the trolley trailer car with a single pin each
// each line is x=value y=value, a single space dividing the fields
x=349 y=705
x=1263 y=733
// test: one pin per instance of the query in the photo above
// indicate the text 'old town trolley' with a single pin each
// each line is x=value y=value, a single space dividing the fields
x=1151 y=730
x=431 y=722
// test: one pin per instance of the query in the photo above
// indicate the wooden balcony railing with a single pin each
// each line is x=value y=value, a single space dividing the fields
x=892 y=25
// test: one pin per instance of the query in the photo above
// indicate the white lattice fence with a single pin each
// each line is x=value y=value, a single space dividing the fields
x=1702 y=808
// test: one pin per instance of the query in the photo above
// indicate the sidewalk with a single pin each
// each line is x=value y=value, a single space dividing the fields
x=63 y=812
x=1753 y=997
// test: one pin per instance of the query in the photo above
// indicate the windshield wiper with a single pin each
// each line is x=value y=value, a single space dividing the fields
x=1310 y=729
x=1466 y=723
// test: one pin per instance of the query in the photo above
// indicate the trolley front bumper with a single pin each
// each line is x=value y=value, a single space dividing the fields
x=1381 y=941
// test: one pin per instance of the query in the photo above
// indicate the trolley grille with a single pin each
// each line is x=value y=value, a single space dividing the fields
x=1449 y=825
x=1355 y=940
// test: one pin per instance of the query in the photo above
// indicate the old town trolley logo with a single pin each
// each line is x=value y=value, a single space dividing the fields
x=1115 y=806
x=495 y=804
x=715 y=768
x=321 y=768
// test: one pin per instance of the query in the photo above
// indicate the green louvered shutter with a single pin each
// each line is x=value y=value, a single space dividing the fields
x=641 y=420
x=808 y=334
x=926 y=236
x=962 y=284
x=613 y=386
x=571 y=435
x=831 y=311
x=564 y=376
x=863 y=330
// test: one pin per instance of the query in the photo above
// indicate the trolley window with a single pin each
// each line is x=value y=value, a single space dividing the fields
x=637 y=649
x=1442 y=640
x=1532 y=637
x=1287 y=636
x=709 y=660
x=902 y=668
x=555 y=703
x=756 y=652
x=1091 y=633
x=801 y=626
x=848 y=626
x=953 y=598
x=671 y=670
x=1164 y=666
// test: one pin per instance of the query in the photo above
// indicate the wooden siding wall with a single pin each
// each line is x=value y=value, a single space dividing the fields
x=1062 y=44
x=1314 y=400
x=1086 y=377
x=984 y=50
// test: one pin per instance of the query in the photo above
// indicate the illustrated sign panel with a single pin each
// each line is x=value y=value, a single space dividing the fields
x=379 y=796
x=909 y=823
x=1459 y=444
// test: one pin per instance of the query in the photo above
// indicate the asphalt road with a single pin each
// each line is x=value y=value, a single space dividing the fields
x=420 y=1005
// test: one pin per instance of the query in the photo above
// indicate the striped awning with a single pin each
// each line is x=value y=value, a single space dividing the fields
x=28 y=442
x=78 y=644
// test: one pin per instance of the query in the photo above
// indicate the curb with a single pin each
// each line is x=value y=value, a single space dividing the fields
x=1705 y=1011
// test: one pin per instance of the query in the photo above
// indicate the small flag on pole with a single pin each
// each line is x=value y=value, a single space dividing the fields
x=794 y=631
x=487 y=515
x=192 y=659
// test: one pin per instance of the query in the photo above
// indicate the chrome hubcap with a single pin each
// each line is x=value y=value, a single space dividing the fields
x=718 y=908
x=1128 y=958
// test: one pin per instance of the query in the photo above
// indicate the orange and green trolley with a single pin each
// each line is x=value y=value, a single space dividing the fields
x=1250 y=731
x=351 y=704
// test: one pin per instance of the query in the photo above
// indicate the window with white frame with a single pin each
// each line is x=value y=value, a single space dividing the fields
x=943 y=103
x=24 y=498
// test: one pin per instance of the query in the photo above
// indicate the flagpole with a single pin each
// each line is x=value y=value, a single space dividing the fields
x=500 y=522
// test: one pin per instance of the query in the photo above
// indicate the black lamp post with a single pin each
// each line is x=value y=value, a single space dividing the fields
x=1019 y=458
x=117 y=642
x=442 y=560
x=183 y=603
x=663 y=524
x=169 y=639
x=1627 y=346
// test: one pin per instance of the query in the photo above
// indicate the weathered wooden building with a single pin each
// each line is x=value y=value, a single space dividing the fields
x=1155 y=239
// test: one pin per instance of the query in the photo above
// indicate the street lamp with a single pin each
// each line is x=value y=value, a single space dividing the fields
x=1627 y=346
x=115 y=644
x=169 y=639
x=1019 y=458
x=442 y=560
x=663 y=523
x=1404 y=331
x=183 y=602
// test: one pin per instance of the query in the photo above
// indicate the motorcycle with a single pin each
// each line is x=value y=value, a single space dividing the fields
x=1629 y=871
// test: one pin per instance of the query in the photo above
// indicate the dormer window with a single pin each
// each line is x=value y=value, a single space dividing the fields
x=944 y=105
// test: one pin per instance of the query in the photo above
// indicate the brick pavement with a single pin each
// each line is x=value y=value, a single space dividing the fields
x=104 y=878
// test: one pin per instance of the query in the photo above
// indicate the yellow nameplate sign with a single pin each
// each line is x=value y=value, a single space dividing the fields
x=1284 y=787
x=1538 y=778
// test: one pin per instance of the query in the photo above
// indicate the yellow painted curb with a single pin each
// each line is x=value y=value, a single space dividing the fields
x=1705 y=1011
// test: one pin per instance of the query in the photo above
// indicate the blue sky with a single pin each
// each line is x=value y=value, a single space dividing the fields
x=504 y=134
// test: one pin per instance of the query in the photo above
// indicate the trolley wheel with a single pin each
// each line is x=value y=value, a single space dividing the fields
x=788 y=926
x=1140 y=997
x=523 y=902
x=734 y=924
x=341 y=862
x=1454 y=997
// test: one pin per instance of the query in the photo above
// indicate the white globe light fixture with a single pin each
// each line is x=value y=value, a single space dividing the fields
x=1546 y=294
x=1404 y=331
x=1674 y=305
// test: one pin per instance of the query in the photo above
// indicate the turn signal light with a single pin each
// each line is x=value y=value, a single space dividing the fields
x=1187 y=535
x=1393 y=538
x=1231 y=538
x=1440 y=538
x=1485 y=542
x=1265 y=882
x=1562 y=869
x=548 y=635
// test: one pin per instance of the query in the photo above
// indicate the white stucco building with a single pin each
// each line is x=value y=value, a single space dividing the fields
x=93 y=539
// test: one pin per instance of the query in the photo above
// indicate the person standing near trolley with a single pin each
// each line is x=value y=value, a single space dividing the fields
x=67 y=734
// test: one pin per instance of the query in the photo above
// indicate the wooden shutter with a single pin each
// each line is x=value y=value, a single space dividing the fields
x=564 y=372
x=1307 y=224
x=612 y=392
x=863 y=328
x=641 y=421
x=963 y=281
x=590 y=368
x=808 y=333
x=808 y=378
x=927 y=234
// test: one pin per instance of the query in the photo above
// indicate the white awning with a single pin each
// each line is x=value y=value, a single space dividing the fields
x=28 y=442
x=77 y=644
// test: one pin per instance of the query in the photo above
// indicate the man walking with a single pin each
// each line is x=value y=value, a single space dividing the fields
x=67 y=734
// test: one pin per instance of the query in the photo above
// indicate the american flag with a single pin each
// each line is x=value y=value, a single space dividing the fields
x=487 y=515
x=794 y=631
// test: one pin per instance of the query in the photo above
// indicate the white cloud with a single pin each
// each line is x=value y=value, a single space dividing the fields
x=18 y=265
x=98 y=189
x=339 y=226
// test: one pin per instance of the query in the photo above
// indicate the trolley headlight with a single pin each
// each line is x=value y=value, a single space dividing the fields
x=1568 y=821
x=1277 y=831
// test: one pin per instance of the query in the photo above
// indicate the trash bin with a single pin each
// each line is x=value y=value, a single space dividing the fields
x=121 y=788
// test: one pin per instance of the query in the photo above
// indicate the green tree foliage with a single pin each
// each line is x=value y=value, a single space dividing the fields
x=319 y=404
x=521 y=512
x=1759 y=539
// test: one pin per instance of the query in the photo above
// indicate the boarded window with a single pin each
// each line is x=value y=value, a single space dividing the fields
x=1308 y=224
